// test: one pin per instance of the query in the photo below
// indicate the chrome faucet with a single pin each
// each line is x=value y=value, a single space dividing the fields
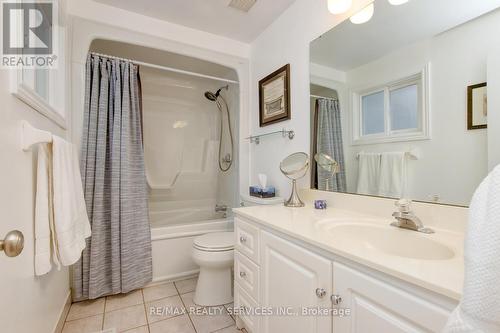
x=406 y=219
x=220 y=208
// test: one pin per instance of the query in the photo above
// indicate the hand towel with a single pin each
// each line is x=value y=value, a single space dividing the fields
x=368 y=173
x=71 y=223
x=392 y=180
x=43 y=211
x=479 y=308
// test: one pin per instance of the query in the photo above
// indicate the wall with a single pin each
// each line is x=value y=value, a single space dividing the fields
x=30 y=303
x=287 y=41
x=494 y=105
x=124 y=19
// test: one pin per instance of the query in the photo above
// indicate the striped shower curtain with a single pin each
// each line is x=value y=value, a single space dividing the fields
x=117 y=258
x=329 y=141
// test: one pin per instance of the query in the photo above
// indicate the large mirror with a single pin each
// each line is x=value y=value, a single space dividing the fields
x=400 y=102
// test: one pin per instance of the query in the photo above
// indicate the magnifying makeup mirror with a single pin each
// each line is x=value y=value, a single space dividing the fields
x=327 y=163
x=294 y=167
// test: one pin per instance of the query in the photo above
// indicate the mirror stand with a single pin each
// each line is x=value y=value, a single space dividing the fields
x=294 y=200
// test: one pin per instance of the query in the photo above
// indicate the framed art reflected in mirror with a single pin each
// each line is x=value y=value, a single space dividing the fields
x=274 y=97
x=477 y=106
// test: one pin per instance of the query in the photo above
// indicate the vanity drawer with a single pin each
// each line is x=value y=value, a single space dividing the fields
x=247 y=239
x=247 y=275
x=246 y=306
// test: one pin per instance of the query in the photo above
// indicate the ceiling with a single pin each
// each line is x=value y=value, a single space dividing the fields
x=212 y=16
x=349 y=46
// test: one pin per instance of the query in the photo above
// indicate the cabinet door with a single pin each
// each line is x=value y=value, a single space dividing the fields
x=378 y=307
x=292 y=279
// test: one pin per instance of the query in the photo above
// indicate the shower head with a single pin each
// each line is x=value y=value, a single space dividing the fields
x=213 y=97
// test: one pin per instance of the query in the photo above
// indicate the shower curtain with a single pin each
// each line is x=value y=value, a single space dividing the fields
x=329 y=141
x=117 y=258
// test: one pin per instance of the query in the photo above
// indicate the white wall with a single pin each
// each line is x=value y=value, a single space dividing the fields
x=287 y=41
x=494 y=107
x=153 y=27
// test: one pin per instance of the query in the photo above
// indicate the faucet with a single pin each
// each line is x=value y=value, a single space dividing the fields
x=406 y=219
x=220 y=208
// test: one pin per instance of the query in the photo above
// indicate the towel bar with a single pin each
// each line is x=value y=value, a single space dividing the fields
x=31 y=136
x=413 y=154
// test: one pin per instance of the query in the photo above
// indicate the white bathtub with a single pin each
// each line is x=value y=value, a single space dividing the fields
x=172 y=247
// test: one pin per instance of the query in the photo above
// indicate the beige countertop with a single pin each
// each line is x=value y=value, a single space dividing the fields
x=317 y=227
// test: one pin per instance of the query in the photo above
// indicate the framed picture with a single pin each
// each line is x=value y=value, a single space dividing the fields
x=274 y=97
x=477 y=106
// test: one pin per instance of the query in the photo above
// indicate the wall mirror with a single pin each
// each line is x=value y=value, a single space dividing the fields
x=390 y=105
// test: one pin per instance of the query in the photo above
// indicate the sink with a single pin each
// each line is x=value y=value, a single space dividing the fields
x=389 y=240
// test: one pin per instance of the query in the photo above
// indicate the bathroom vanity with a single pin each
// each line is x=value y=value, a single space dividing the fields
x=303 y=270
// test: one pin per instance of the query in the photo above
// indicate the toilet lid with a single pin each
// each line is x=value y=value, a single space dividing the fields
x=215 y=241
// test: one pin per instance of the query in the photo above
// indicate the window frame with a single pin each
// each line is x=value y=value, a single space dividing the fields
x=422 y=132
x=22 y=83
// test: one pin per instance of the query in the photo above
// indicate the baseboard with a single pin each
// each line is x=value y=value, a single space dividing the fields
x=63 y=314
x=173 y=277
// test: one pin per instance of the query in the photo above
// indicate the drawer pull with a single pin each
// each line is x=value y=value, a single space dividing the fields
x=336 y=299
x=243 y=239
x=320 y=292
x=243 y=274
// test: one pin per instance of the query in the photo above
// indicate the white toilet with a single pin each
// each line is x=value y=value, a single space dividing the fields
x=214 y=253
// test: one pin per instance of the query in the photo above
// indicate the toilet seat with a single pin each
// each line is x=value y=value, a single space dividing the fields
x=215 y=242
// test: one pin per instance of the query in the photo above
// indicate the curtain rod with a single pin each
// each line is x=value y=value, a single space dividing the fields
x=170 y=69
x=330 y=98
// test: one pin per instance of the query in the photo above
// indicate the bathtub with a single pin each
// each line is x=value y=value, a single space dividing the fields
x=172 y=247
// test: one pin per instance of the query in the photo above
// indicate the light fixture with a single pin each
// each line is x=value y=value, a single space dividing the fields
x=397 y=2
x=363 y=15
x=339 y=6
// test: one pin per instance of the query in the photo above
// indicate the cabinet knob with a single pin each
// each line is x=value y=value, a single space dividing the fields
x=336 y=299
x=243 y=239
x=320 y=292
x=243 y=274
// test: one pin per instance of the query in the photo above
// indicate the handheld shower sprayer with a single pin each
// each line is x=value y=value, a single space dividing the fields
x=217 y=98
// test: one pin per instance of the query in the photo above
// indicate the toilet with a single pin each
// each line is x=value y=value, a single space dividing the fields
x=214 y=253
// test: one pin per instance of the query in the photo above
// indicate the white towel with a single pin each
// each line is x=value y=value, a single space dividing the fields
x=43 y=211
x=479 y=309
x=392 y=180
x=71 y=223
x=368 y=173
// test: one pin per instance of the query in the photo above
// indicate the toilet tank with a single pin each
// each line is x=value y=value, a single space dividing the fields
x=247 y=200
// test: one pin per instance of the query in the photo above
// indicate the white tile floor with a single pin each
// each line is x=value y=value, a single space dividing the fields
x=149 y=310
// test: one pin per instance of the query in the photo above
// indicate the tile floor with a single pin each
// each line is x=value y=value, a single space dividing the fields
x=161 y=308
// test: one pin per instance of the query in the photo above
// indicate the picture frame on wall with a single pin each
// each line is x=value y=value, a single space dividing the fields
x=274 y=97
x=477 y=106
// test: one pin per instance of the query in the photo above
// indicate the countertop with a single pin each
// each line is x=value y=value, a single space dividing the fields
x=444 y=277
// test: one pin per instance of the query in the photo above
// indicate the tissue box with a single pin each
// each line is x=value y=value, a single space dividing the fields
x=259 y=192
x=320 y=204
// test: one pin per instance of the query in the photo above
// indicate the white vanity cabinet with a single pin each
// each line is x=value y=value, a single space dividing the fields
x=293 y=278
x=377 y=306
x=274 y=272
